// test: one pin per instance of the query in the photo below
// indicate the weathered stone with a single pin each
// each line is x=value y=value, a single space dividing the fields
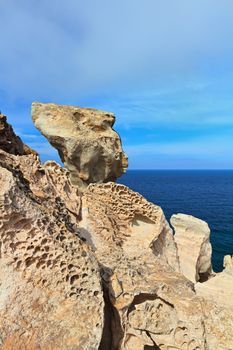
x=51 y=294
x=151 y=303
x=9 y=142
x=88 y=146
x=219 y=288
x=228 y=262
x=193 y=245
x=57 y=244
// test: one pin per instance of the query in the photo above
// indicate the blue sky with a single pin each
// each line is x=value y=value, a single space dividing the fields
x=165 y=68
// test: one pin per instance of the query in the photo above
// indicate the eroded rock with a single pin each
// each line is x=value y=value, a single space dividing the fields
x=228 y=262
x=219 y=288
x=193 y=245
x=10 y=142
x=51 y=293
x=152 y=304
x=88 y=146
x=101 y=270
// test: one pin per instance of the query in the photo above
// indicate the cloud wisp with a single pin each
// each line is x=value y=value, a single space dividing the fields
x=164 y=67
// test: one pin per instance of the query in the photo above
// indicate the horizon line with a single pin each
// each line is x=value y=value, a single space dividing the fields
x=204 y=169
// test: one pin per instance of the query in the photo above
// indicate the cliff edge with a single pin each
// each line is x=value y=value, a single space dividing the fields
x=95 y=266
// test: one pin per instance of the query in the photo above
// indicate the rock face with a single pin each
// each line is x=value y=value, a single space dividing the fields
x=219 y=288
x=88 y=146
x=149 y=303
x=100 y=270
x=9 y=142
x=228 y=262
x=140 y=271
x=193 y=245
x=51 y=294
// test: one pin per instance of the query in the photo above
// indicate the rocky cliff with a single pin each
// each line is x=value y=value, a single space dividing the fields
x=88 y=146
x=100 y=268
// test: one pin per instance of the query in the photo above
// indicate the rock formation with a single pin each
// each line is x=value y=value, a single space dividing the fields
x=228 y=262
x=219 y=288
x=9 y=142
x=51 y=294
x=100 y=269
x=88 y=146
x=193 y=245
x=140 y=271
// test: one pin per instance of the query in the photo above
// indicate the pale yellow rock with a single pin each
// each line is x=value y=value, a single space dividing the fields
x=151 y=303
x=101 y=270
x=219 y=288
x=86 y=142
x=51 y=294
x=228 y=261
x=193 y=245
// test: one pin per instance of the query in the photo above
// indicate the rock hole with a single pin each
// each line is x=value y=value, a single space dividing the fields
x=74 y=278
x=29 y=262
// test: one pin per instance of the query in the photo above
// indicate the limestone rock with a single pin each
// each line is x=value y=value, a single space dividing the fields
x=151 y=303
x=228 y=262
x=9 y=142
x=117 y=216
x=218 y=325
x=217 y=294
x=51 y=294
x=193 y=245
x=100 y=270
x=88 y=146
x=219 y=288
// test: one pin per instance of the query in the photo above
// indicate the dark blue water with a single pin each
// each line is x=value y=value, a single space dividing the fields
x=207 y=195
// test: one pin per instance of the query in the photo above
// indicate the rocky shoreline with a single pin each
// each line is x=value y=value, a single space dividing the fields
x=88 y=264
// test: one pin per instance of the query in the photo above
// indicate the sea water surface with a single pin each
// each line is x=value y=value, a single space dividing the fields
x=207 y=195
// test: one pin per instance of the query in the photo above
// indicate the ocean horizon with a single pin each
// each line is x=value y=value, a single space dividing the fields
x=206 y=194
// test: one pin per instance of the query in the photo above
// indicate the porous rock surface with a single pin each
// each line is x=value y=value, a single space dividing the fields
x=95 y=271
x=193 y=245
x=50 y=293
x=140 y=271
x=149 y=303
x=88 y=146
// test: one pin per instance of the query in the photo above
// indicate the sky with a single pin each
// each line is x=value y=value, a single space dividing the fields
x=164 y=67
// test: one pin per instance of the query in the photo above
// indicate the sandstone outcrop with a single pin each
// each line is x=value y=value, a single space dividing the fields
x=228 y=262
x=193 y=245
x=219 y=288
x=51 y=293
x=88 y=146
x=140 y=271
x=149 y=303
x=100 y=269
x=11 y=143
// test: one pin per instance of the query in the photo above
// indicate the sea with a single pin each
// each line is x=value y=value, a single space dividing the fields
x=207 y=195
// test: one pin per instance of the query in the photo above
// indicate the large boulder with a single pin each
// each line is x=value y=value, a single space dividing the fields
x=193 y=245
x=88 y=146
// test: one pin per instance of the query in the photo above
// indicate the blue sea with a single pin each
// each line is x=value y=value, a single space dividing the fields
x=207 y=195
